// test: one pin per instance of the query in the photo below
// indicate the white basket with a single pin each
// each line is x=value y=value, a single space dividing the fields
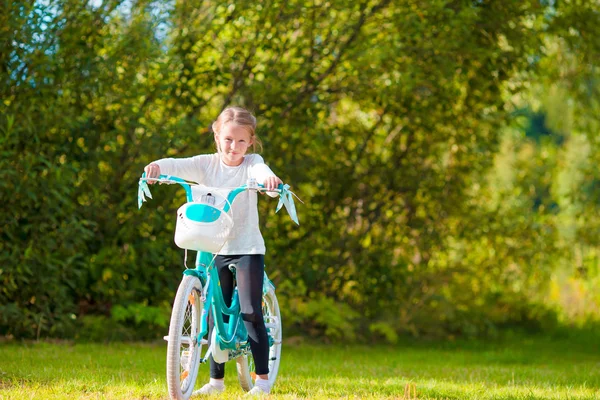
x=202 y=227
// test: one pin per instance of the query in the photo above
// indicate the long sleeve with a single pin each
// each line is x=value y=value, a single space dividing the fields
x=192 y=168
x=261 y=171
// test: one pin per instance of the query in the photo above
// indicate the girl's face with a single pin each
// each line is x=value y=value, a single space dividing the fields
x=233 y=142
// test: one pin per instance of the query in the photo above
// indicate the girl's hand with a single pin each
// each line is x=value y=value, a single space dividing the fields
x=272 y=182
x=152 y=170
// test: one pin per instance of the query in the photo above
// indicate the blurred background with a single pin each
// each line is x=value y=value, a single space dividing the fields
x=446 y=152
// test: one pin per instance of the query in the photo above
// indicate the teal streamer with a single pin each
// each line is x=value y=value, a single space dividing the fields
x=286 y=199
x=143 y=192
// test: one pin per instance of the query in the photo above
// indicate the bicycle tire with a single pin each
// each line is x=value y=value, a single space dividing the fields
x=183 y=353
x=245 y=363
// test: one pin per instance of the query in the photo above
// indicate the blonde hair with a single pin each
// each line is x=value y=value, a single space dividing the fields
x=241 y=117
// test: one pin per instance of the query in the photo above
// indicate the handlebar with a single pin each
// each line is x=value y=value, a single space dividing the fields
x=286 y=196
x=168 y=179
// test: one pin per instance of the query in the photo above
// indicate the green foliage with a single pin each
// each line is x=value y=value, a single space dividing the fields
x=98 y=328
x=316 y=314
x=386 y=330
x=141 y=313
x=424 y=206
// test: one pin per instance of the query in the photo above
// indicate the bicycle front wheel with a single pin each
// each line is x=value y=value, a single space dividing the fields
x=245 y=364
x=183 y=351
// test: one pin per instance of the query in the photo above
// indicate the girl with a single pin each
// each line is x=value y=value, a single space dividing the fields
x=231 y=166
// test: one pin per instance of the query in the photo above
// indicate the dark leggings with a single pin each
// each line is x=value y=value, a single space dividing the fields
x=249 y=273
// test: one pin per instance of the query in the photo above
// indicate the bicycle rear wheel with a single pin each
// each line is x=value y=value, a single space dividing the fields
x=245 y=364
x=183 y=351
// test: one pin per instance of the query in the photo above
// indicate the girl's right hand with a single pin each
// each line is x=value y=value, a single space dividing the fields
x=152 y=170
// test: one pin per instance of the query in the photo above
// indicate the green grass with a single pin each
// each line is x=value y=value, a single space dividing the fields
x=520 y=368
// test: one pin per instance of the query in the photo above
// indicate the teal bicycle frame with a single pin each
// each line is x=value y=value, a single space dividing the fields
x=232 y=335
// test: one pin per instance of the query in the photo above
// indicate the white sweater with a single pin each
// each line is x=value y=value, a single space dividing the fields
x=209 y=170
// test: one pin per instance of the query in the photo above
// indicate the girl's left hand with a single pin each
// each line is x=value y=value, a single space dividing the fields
x=272 y=182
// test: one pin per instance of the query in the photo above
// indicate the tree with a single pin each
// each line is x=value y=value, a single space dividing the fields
x=384 y=116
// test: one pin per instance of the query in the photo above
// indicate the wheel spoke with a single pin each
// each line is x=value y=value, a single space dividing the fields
x=188 y=347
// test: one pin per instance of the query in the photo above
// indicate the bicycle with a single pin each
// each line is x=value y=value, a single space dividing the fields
x=203 y=226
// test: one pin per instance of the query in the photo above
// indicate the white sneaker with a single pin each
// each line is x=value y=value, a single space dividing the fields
x=257 y=391
x=208 y=390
